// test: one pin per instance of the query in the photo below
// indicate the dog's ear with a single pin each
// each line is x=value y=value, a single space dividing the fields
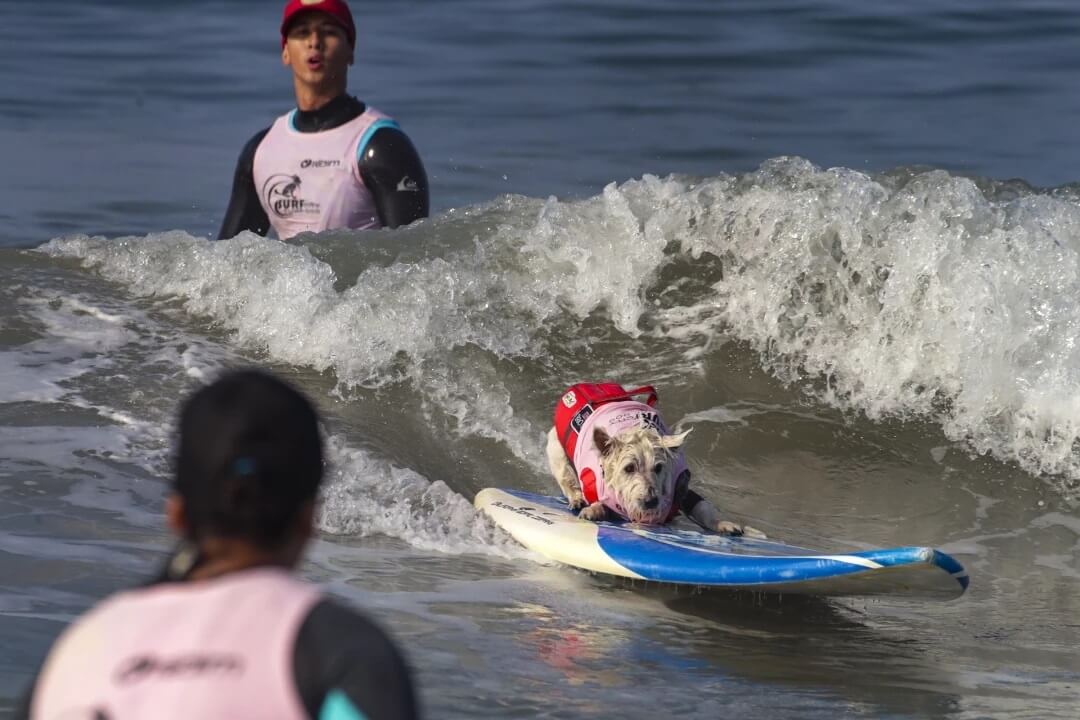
x=674 y=441
x=603 y=441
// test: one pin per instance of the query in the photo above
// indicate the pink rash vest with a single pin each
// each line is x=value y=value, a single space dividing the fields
x=309 y=182
x=182 y=650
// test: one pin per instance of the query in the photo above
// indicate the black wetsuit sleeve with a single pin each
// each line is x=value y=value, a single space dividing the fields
x=392 y=171
x=343 y=661
x=245 y=212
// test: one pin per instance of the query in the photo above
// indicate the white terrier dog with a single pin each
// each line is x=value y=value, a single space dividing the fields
x=612 y=457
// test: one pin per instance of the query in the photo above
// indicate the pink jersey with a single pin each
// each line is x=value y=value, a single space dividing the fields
x=218 y=648
x=614 y=418
x=308 y=182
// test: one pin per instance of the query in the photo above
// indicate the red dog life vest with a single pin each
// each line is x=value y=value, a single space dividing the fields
x=611 y=406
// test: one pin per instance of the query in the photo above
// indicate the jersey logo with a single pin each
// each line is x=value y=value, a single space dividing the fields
x=281 y=193
x=407 y=184
x=142 y=667
x=309 y=163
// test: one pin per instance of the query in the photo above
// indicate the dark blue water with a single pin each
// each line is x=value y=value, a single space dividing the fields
x=124 y=117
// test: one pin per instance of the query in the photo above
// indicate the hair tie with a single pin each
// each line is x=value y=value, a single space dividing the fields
x=244 y=466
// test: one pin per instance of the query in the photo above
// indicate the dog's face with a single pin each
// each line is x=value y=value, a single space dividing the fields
x=638 y=467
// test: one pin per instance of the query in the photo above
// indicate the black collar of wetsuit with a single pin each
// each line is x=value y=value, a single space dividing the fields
x=337 y=112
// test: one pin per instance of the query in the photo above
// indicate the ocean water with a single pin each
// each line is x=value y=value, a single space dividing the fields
x=842 y=239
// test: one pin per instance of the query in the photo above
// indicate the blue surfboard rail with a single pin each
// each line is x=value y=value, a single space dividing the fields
x=700 y=557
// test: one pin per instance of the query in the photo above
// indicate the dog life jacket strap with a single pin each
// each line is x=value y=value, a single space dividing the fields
x=581 y=400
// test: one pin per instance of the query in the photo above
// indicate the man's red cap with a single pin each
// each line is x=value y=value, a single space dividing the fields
x=336 y=9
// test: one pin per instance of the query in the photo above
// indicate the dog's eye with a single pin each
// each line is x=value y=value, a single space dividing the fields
x=629 y=468
x=658 y=468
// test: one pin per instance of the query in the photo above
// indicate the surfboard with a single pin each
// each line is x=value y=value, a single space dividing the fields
x=671 y=554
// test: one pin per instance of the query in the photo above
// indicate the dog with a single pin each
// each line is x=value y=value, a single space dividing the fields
x=613 y=457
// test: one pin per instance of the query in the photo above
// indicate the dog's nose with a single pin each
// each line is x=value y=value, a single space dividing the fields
x=651 y=503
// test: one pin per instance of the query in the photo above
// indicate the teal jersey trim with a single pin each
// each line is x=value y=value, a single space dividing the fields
x=375 y=127
x=337 y=706
x=292 y=120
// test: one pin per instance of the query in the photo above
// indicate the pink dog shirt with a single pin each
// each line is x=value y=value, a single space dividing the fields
x=614 y=418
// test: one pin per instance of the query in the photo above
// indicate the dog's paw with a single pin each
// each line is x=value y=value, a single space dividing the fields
x=595 y=512
x=576 y=503
x=752 y=532
x=726 y=527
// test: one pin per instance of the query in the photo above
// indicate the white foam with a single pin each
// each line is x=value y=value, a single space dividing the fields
x=720 y=415
x=104 y=373
x=926 y=298
x=285 y=301
x=481 y=407
x=1058 y=519
x=365 y=495
x=104 y=468
x=61 y=447
x=79 y=338
x=904 y=296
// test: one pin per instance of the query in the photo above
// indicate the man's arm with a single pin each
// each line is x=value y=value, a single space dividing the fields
x=346 y=667
x=245 y=212
x=392 y=171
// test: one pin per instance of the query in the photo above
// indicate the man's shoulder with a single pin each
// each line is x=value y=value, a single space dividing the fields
x=247 y=153
x=373 y=121
x=388 y=140
x=257 y=138
x=374 y=112
x=332 y=621
x=339 y=652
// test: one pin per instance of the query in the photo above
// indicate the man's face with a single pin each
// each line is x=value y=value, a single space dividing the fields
x=317 y=49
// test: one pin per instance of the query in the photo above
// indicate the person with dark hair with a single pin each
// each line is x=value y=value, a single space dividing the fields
x=228 y=631
x=333 y=162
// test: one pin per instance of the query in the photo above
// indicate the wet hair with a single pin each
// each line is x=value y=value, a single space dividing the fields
x=249 y=457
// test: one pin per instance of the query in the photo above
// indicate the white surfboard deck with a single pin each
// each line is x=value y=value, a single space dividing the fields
x=666 y=554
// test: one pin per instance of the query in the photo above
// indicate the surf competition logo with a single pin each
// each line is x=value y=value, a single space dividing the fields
x=282 y=195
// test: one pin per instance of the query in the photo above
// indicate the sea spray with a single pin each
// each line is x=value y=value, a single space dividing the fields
x=912 y=294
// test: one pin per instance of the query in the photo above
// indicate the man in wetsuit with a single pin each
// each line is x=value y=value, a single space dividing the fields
x=228 y=630
x=333 y=162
